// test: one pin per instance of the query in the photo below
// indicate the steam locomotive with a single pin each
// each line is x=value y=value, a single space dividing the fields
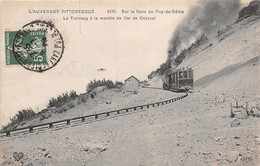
x=179 y=80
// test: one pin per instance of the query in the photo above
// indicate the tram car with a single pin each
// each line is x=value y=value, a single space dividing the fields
x=179 y=80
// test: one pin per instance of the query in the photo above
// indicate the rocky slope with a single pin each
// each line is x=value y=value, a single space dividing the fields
x=229 y=61
x=198 y=133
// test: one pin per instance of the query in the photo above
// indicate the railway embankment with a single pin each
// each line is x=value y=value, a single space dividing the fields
x=103 y=100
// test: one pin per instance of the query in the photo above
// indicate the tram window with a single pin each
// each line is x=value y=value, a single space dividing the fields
x=190 y=74
x=185 y=74
x=180 y=74
x=173 y=77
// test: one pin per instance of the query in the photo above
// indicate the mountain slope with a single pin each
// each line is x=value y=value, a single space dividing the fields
x=235 y=48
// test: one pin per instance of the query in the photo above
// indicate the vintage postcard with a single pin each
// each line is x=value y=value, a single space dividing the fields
x=129 y=83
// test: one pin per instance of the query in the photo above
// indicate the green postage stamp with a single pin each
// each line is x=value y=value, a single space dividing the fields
x=37 y=46
x=33 y=46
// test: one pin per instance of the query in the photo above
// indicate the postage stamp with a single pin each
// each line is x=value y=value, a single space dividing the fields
x=37 y=46
x=9 y=56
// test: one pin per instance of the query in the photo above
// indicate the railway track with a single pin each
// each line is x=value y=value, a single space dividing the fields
x=61 y=124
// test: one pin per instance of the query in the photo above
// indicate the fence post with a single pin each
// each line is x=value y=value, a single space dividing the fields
x=231 y=109
x=8 y=133
x=247 y=111
x=118 y=112
x=82 y=119
x=68 y=122
x=126 y=110
x=30 y=129
x=50 y=125
x=96 y=116
x=108 y=114
x=236 y=103
x=141 y=107
x=135 y=109
x=147 y=106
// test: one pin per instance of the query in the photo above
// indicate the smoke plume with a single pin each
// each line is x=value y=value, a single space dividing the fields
x=205 y=18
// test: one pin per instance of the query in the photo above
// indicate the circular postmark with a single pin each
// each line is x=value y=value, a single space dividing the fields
x=38 y=46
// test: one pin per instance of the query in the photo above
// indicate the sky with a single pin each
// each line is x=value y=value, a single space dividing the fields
x=123 y=48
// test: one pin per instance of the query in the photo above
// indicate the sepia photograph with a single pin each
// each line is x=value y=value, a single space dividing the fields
x=129 y=83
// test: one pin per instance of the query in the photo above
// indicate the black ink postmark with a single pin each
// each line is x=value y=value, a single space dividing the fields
x=38 y=46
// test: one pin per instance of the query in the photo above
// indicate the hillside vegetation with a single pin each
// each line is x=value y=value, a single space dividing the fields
x=60 y=104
